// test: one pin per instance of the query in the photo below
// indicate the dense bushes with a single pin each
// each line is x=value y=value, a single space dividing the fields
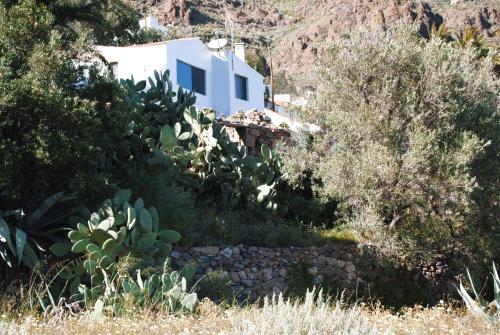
x=409 y=141
x=46 y=129
x=55 y=133
x=61 y=130
x=408 y=156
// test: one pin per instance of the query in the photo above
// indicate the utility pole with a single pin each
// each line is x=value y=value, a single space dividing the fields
x=273 y=106
x=231 y=26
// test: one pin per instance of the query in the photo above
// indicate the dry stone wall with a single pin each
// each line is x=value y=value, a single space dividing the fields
x=258 y=271
x=253 y=129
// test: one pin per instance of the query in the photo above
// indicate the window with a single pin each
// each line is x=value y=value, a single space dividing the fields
x=191 y=78
x=114 y=69
x=241 y=87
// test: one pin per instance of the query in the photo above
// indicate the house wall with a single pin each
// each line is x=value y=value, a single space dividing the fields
x=192 y=52
x=131 y=60
x=142 y=60
x=256 y=86
x=221 y=102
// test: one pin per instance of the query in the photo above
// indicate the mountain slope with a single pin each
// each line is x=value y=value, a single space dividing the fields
x=298 y=30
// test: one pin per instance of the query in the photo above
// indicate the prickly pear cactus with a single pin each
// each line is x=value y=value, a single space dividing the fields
x=117 y=230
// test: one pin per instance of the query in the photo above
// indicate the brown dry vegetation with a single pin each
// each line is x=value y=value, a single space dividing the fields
x=278 y=317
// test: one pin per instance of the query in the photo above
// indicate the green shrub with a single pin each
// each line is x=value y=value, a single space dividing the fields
x=52 y=134
x=166 y=292
x=125 y=261
x=409 y=141
x=173 y=136
x=215 y=286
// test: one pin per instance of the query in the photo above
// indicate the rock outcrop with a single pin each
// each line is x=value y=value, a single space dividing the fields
x=300 y=29
x=173 y=11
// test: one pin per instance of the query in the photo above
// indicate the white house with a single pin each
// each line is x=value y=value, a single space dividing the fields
x=221 y=80
x=151 y=22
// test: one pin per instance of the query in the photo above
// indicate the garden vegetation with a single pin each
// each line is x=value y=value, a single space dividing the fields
x=409 y=143
x=100 y=178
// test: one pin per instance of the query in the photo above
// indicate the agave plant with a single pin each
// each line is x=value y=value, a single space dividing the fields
x=489 y=311
x=23 y=236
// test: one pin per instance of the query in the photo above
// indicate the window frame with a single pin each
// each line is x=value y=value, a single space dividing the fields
x=191 y=68
x=246 y=93
x=114 y=69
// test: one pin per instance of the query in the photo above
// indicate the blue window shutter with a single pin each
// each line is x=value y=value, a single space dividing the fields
x=198 y=80
x=191 y=78
x=184 y=76
x=241 y=87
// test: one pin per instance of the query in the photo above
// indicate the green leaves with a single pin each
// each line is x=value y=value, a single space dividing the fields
x=44 y=207
x=164 y=249
x=114 y=231
x=190 y=115
x=138 y=205
x=477 y=305
x=169 y=236
x=121 y=197
x=167 y=137
x=266 y=152
x=80 y=246
x=140 y=85
x=60 y=249
x=129 y=212
x=77 y=235
x=189 y=301
x=146 y=220
x=20 y=243
x=24 y=233
x=5 y=234
x=106 y=224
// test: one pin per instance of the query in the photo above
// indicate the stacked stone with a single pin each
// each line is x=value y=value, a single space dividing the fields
x=258 y=271
x=253 y=129
x=436 y=275
x=252 y=116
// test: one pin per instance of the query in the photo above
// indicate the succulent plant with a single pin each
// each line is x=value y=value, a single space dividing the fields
x=206 y=154
x=176 y=133
x=166 y=291
x=117 y=230
x=479 y=307
x=24 y=235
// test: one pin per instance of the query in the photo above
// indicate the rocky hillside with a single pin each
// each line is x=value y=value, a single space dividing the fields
x=298 y=30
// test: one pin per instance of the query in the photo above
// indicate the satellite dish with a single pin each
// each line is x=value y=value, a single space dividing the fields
x=217 y=44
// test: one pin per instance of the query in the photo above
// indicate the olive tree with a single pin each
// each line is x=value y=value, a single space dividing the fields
x=408 y=127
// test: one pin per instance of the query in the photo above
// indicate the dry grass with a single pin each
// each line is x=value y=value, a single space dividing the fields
x=274 y=317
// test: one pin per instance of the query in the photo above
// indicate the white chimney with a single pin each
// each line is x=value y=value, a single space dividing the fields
x=239 y=51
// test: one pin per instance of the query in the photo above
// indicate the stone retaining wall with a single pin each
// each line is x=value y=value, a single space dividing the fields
x=253 y=129
x=253 y=136
x=257 y=271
